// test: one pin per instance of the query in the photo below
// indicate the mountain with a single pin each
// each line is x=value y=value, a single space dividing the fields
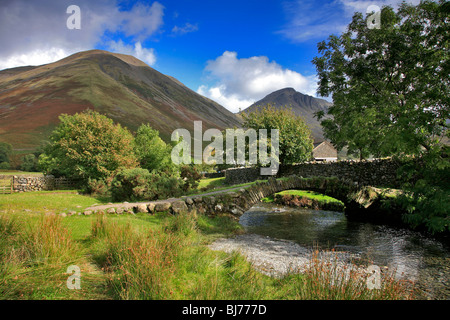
x=119 y=86
x=301 y=104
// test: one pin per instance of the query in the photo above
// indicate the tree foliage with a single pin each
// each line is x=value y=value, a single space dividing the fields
x=139 y=184
x=29 y=163
x=391 y=93
x=295 y=140
x=5 y=152
x=88 y=145
x=152 y=152
x=390 y=86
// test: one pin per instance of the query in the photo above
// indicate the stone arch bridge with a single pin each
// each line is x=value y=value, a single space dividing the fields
x=236 y=201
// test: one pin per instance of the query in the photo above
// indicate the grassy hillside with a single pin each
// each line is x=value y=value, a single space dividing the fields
x=119 y=86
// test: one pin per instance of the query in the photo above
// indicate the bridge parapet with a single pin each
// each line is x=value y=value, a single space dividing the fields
x=236 y=203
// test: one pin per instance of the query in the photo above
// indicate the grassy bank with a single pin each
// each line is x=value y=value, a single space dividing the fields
x=146 y=256
x=307 y=199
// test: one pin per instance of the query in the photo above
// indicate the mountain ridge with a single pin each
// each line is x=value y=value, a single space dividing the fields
x=119 y=86
x=303 y=105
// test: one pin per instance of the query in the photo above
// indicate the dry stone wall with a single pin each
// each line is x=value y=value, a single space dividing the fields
x=40 y=183
x=380 y=173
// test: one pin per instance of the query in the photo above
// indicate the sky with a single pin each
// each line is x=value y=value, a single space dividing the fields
x=234 y=52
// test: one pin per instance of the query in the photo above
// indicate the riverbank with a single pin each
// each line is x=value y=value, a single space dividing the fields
x=305 y=199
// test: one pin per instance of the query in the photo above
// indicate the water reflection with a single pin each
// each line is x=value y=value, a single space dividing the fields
x=412 y=255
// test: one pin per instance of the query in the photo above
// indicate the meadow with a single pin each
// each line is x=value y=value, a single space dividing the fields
x=147 y=256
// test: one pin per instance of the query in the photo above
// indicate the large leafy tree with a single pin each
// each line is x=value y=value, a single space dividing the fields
x=152 y=152
x=390 y=86
x=390 y=89
x=295 y=139
x=88 y=145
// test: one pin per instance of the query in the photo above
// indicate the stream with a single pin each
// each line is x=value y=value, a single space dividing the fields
x=412 y=255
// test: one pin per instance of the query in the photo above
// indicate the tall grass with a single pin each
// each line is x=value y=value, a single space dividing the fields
x=34 y=256
x=328 y=278
x=171 y=263
x=140 y=265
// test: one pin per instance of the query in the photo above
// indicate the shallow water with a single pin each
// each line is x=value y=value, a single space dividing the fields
x=412 y=255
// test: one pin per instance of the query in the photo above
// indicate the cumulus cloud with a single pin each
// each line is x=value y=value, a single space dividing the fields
x=35 y=32
x=142 y=20
x=238 y=83
x=143 y=54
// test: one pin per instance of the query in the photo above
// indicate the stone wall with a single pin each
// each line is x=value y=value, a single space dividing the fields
x=242 y=175
x=40 y=183
x=380 y=173
x=214 y=174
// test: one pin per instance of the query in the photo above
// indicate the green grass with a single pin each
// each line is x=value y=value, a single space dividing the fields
x=144 y=256
x=19 y=173
x=57 y=201
x=211 y=183
x=307 y=194
x=217 y=184
x=303 y=198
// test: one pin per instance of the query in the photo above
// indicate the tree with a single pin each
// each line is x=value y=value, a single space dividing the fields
x=295 y=140
x=88 y=145
x=391 y=94
x=390 y=86
x=5 y=152
x=152 y=152
x=29 y=163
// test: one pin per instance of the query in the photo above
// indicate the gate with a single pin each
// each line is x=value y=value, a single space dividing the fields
x=6 y=185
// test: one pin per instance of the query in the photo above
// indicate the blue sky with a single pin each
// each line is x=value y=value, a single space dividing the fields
x=234 y=52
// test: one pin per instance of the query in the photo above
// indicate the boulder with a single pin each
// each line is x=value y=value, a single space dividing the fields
x=142 y=207
x=151 y=207
x=162 y=206
x=179 y=207
x=198 y=199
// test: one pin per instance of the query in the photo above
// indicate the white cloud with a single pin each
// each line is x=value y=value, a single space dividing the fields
x=142 y=20
x=313 y=20
x=35 y=57
x=187 y=28
x=143 y=54
x=241 y=82
x=35 y=32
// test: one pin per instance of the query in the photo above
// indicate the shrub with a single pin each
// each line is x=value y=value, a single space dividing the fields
x=29 y=163
x=98 y=188
x=191 y=177
x=5 y=165
x=140 y=184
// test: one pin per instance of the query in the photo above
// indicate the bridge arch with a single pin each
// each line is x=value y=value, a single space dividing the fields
x=236 y=203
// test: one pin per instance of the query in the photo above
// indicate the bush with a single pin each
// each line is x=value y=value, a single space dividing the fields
x=98 y=188
x=139 y=184
x=191 y=177
x=29 y=163
x=5 y=165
